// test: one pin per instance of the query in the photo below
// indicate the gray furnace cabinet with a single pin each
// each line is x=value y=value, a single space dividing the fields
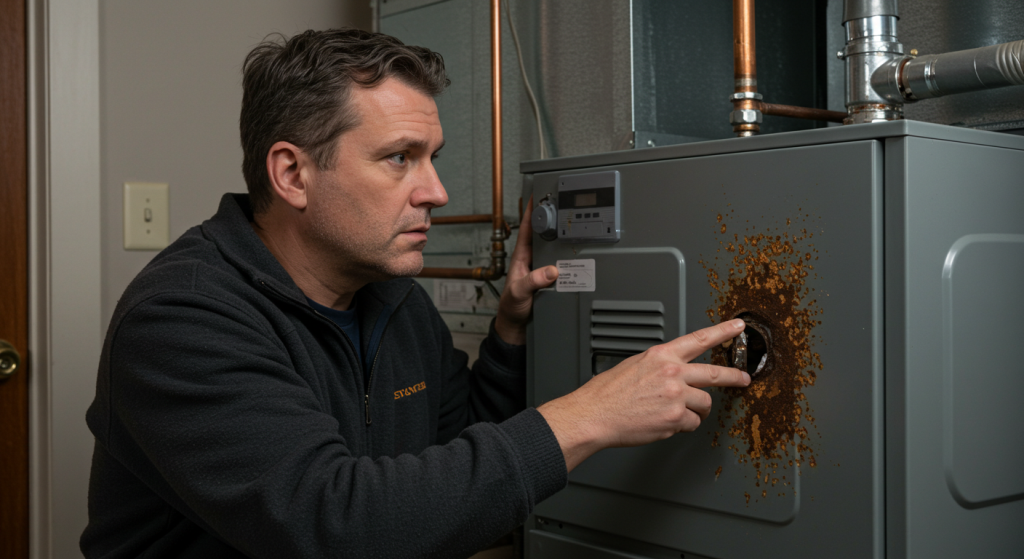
x=911 y=237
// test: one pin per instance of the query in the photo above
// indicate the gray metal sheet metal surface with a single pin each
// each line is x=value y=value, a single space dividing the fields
x=550 y=546
x=667 y=493
x=836 y=134
x=558 y=540
x=953 y=390
x=584 y=73
x=895 y=328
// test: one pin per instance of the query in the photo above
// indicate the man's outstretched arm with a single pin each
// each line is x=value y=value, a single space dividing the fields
x=204 y=407
x=646 y=398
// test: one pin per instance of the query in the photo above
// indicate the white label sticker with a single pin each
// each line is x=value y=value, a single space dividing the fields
x=576 y=275
x=457 y=295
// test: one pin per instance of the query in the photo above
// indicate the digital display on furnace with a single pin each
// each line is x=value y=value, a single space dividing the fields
x=588 y=207
x=588 y=199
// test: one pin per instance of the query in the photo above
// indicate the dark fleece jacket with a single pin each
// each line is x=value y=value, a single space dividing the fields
x=233 y=420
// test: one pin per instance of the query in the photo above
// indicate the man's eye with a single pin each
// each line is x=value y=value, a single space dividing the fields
x=398 y=158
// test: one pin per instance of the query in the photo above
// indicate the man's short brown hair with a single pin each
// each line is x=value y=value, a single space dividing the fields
x=297 y=91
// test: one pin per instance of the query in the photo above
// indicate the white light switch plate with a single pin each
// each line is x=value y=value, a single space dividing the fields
x=146 y=216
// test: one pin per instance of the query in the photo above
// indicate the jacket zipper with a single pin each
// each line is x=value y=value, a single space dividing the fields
x=373 y=365
x=366 y=397
x=376 y=354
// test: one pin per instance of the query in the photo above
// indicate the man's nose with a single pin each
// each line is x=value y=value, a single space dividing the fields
x=430 y=192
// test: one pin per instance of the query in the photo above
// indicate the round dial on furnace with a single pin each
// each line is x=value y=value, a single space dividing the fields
x=545 y=220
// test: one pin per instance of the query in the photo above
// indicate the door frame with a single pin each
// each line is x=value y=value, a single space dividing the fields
x=65 y=330
x=14 y=279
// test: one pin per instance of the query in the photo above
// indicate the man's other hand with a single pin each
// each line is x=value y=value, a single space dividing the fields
x=520 y=285
x=648 y=397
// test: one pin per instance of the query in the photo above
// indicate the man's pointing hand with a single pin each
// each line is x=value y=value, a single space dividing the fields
x=648 y=397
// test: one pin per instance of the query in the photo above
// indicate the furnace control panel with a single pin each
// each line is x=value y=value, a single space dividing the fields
x=588 y=207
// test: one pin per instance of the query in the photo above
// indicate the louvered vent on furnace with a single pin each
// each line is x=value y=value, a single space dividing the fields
x=630 y=326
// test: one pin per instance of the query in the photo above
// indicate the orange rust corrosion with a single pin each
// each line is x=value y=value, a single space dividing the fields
x=769 y=273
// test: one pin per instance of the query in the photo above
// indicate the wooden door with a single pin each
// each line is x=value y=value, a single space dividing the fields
x=14 y=279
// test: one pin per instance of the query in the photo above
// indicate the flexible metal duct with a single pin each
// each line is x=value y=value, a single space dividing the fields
x=880 y=78
x=936 y=75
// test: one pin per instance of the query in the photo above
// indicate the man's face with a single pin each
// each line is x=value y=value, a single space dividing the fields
x=370 y=213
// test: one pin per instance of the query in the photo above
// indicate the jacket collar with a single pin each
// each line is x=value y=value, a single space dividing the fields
x=230 y=230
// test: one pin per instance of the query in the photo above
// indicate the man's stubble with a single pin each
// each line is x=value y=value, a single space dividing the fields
x=373 y=252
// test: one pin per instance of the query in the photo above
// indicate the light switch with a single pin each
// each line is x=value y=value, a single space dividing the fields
x=146 y=217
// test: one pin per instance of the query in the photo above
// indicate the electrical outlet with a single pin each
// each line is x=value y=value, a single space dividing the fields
x=146 y=216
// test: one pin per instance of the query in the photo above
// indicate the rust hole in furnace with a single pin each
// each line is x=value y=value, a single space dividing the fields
x=751 y=351
x=761 y=276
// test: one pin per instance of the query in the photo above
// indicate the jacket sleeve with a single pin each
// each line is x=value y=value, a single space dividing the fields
x=212 y=416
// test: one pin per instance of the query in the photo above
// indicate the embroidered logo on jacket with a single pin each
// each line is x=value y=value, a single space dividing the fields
x=411 y=390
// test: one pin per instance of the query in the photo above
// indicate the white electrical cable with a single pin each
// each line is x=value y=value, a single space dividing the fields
x=526 y=81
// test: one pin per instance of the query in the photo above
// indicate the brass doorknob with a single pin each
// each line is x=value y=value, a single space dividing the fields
x=10 y=360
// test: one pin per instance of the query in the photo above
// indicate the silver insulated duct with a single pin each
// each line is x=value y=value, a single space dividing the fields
x=880 y=78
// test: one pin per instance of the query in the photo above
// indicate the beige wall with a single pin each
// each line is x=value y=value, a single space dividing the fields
x=170 y=94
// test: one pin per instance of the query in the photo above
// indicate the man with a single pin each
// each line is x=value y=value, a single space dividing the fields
x=274 y=385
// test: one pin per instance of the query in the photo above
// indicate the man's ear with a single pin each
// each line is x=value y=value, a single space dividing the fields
x=290 y=171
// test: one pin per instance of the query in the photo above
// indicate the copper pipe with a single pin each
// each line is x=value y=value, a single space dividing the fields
x=455 y=219
x=745 y=59
x=745 y=63
x=802 y=112
x=496 y=196
x=747 y=104
x=496 y=269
